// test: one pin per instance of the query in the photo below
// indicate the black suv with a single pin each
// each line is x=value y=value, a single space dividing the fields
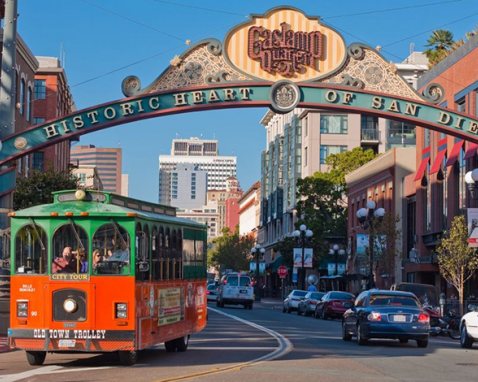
x=386 y=314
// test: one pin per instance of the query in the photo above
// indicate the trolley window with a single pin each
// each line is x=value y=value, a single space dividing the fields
x=31 y=250
x=111 y=250
x=70 y=249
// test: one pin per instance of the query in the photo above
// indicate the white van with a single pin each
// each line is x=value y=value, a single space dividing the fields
x=236 y=289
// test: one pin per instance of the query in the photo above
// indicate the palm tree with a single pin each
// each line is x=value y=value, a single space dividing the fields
x=440 y=43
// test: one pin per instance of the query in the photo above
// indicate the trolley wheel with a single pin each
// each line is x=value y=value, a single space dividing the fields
x=128 y=358
x=36 y=358
x=170 y=346
x=182 y=343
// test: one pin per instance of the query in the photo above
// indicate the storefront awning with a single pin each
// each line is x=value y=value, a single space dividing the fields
x=438 y=161
x=422 y=168
x=455 y=153
x=471 y=150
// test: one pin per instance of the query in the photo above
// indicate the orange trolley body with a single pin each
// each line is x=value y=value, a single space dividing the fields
x=157 y=295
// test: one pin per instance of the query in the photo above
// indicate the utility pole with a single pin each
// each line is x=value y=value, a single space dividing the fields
x=7 y=100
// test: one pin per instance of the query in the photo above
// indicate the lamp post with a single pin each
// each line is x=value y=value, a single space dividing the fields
x=368 y=217
x=336 y=251
x=471 y=179
x=257 y=251
x=302 y=235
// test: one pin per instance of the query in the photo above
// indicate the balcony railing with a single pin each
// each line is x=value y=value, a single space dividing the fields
x=369 y=135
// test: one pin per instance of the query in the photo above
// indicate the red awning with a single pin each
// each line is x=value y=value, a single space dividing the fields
x=471 y=150
x=422 y=168
x=438 y=161
x=455 y=153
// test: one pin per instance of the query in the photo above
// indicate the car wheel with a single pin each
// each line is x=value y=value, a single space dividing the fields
x=403 y=340
x=283 y=309
x=127 y=358
x=36 y=358
x=346 y=336
x=298 y=311
x=323 y=315
x=182 y=343
x=465 y=340
x=361 y=339
x=289 y=309
x=170 y=346
x=422 y=343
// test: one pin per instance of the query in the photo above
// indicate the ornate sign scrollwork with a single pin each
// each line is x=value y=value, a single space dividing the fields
x=214 y=47
x=356 y=51
x=352 y=81
x=285 y=96
x=434 y=93
x=131 y=86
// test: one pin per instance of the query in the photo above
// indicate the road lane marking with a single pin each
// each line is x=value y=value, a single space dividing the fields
x=45 y=370
x=285 y=346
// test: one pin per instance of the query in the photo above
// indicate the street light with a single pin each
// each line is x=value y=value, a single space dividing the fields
x=256 y=252
x=471 y=179
x=367 y=218
x=336 y=250
x=302 y=236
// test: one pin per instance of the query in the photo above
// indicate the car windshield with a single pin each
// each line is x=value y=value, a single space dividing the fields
x=340 y=296
x=211 y=287
x=387 y=300
x=245 y=281
x=316 y=295
x=299 y=293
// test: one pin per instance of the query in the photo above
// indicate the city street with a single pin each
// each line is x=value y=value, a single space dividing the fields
x=267 y=345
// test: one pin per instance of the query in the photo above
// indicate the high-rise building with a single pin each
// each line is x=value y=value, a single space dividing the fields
x=299 y=142
x=188 y=186
x=107 y=160
x=204 y=156
x=53 y=99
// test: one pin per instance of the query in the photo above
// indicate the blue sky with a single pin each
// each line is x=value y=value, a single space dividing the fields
x=103 y=41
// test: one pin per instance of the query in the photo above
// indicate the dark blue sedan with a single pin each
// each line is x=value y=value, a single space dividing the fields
x=386 y=314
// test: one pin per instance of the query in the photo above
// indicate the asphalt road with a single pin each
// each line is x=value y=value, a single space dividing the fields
x=264 y=344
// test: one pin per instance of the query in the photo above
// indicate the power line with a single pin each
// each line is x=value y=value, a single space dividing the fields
x=392 y=9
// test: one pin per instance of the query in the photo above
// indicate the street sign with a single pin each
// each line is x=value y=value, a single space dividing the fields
x=282 y=271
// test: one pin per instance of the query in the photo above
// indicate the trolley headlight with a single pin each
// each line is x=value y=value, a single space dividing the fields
x=121 y=310
x=22 y=308
x=70 y=305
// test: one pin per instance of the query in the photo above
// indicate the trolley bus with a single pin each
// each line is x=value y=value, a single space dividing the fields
x=98 y=272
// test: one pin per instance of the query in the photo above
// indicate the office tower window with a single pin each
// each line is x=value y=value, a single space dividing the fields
x=334 y=124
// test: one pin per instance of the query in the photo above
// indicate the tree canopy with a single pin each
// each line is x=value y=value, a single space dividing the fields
x=230 y=251
x=457 y=261
x=321 y=199
x=37 y=188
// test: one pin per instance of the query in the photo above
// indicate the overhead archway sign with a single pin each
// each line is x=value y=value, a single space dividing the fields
x=282 y=60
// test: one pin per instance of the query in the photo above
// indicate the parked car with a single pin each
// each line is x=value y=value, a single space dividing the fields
x=386 y=314
x=333 y=304
x=469 y=327
x=291 y=302
x=236 y=289
x=307 y=305
x=211 y=292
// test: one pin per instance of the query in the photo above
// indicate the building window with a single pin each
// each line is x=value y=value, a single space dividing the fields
x=21 y=100
x=461 y=105
x=29 y=105
x=326 y=150
x=38 y=120
x=305 y=156
x=38 y=161
x=40 y=89
x=333 y=124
